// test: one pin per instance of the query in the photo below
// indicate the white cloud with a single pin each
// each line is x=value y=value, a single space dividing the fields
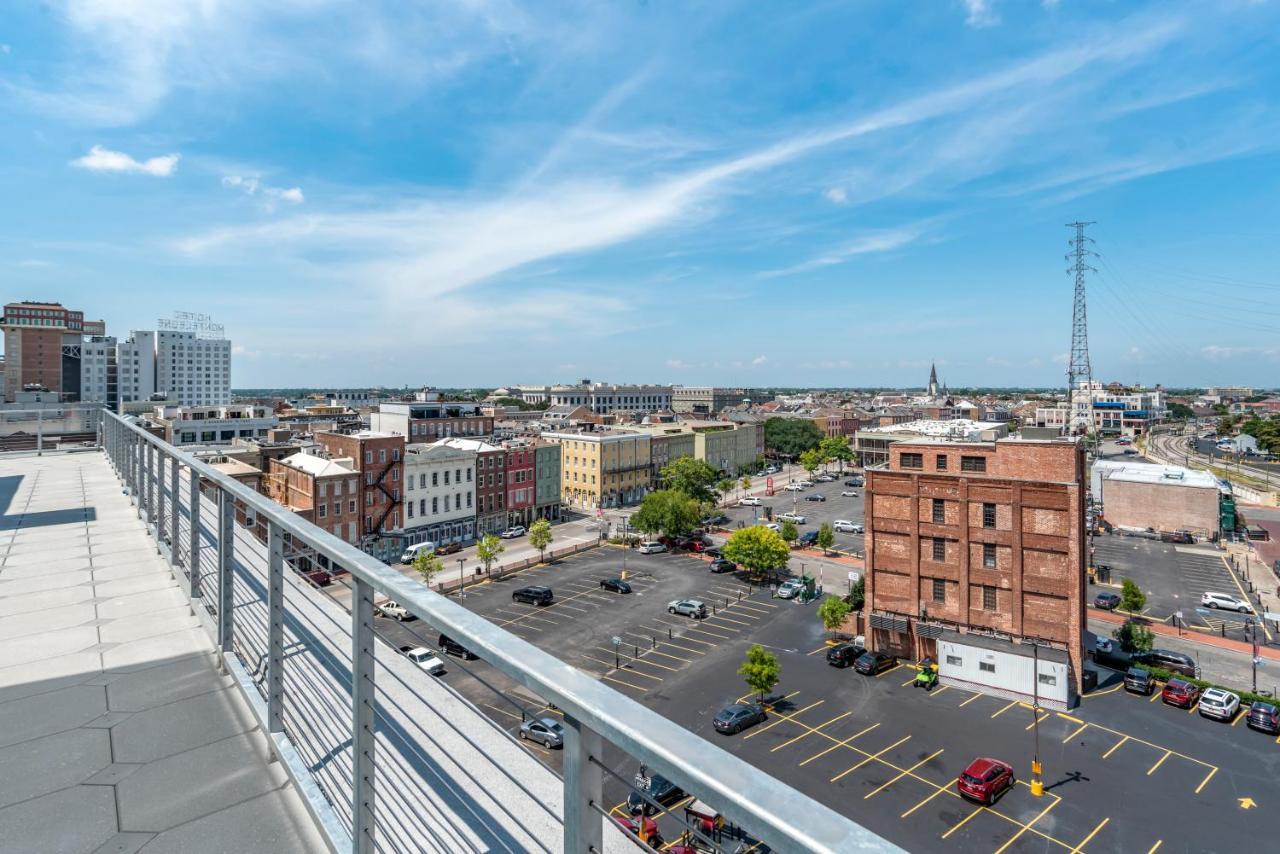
x=871 y=242
x=980 y=13
x=759 y=360
x=837 y=195
x=253 y=186
x=998 y=362
x=4 y=48
x=1062 y=359
x=101 y=159
x=1218 y=353
x=677 y=364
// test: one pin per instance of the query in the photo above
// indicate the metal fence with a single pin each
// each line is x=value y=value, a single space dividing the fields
x=344 y=713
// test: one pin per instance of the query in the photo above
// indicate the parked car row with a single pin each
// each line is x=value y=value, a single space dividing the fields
x=1216 y=703
x=861 y=659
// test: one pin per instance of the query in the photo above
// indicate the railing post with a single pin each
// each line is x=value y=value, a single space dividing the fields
x=174 y=559
x=193 y=548
x=137 y=472
x=363 y=787
x=226 y=576
x=155 y=495
x=275 y=627
x=583 y=824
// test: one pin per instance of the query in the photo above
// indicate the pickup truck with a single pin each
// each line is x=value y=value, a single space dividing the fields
x=394 y=610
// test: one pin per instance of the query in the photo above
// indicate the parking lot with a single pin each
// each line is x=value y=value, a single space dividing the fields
x=1173 y=577
x=815 y=512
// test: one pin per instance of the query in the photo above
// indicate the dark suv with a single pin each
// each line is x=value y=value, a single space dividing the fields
x=658 y=788
x=452 y=647
x=844 y=654
x=1264 y=717
x=1139 y=681
x=1174 y=662
x=535 y=595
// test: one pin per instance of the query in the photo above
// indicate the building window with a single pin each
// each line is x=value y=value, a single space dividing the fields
x=1048 y=679
x=352 y=506
x=912 y=461
x=939 y=590
x=468 y=475
x=368 y=523
x=988 y=597
x=382 y=455
x=324 y=508
x=435 y=478
x=446 y=477
x=368 y=457
x=939 y=511
x=987 y=666
x=989 y=555
x=939 y=548
x=408 y=513
x=395 y=455
x=973 y=464
x=955 y=661
x=435 y=505
x=942 y=462
x=395 y=474
x=368 y=499
x=988 y=515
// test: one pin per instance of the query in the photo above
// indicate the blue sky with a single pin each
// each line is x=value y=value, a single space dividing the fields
x=747 y=193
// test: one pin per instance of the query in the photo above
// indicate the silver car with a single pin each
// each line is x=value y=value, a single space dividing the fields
x=687 y=608
x=546 y=731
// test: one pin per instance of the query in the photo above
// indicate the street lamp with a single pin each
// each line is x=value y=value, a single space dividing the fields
x=462 y=578
x=1037 y=784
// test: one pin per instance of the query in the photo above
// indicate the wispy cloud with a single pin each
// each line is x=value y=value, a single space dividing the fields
x=980 y=13
x=864 y=244
x=760 y=360
x=252 y=186
x=101 y=159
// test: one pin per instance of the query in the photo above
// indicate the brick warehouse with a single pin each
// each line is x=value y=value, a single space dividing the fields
x=974 y=549
x=379 y=459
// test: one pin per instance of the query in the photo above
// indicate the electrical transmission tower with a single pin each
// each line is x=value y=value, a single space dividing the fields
x=1079 y=372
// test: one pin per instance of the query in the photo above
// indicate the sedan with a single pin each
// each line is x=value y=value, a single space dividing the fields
x=1180 y=693
x=817 y=496
x=546 y=731
x=791 y=517
x=985 y=780
x=1264 y=717
x=687 y=608
x=448 y=548
x=513 y=532
x=737 y=717
x=617 y=585
x=1219 y=704
x=849 y=493
x=749 y=501
x=1226 y=602
x=790 y=588
x=721 y=564
x=1106 y=600
x=874 y=663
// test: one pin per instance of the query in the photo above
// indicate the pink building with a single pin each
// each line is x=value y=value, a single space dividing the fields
x=522 y=486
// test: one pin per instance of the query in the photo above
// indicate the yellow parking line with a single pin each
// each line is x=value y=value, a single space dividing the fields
x=656 y=651
x=902 y=774
x=1239 y=715
x=503 y=711
x=1092 y=834
x=1203 y=783
x=939 y=689
x=870 y=757
x=1027 y=827
x=822 y=648
x=1153 y=848
x=908 y=682
x=1110 y=690
x=728 y=620
x=839 y=744
x=963 y=822
x=1159 y=762
x=970 y=700
x=808 y=732
x=698 y=628
x=937 y=791
x=1075 y=732
x=890 y=670
x=1115 y=746
x=630 y=672
x=1005 y=709
x=663 y=631
x=1155 y=695
x=753 y=606
x=1066 y=717
x=782 y=718
x=619 y=681
x=746 y=697
x=633 y=659
x=1038 y=719
x=1193 y=707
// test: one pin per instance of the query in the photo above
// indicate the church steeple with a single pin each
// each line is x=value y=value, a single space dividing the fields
x=933 y=380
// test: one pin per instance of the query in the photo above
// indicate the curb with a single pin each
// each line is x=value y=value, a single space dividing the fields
x=1158 y=628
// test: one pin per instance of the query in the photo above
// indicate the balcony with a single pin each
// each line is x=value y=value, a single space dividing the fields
x=182 y=633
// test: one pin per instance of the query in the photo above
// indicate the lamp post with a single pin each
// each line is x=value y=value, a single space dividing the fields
x=1037 y=784
x=462 y=578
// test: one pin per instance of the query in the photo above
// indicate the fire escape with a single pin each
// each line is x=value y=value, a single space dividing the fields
x=392 y=501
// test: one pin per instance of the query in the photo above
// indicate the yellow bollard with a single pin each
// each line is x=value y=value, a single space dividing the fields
x=1037 y=785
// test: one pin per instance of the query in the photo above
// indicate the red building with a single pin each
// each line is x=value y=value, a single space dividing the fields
x=379 y=457
x=521 y=484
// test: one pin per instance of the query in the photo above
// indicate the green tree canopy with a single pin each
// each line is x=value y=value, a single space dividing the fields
x=694 y=477
x=488 y=549
x=791 y=437
x=540 y=537
x=1134 y=637
x=427 y=564
x=757 y=549
x=1132 y=599
x=789 y=532
x=857 y=594
x=836 y=449
x=760 y=670
x=1181 y=411
x=811 y=460
x=826 y=537
x=668 y=511
x=833 y=612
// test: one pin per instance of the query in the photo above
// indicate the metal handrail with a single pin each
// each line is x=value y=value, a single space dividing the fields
x=779 y=815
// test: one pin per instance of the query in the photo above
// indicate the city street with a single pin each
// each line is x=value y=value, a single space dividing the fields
x=815 y=512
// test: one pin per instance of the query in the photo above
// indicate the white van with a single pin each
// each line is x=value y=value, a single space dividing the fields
x=412 y=552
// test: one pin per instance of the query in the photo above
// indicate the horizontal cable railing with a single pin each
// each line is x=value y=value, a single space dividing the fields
x=372 y=743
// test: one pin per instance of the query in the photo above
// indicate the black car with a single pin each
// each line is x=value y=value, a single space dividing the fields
x=722 y=564
x=808 y=538
x=1139 y=681
x=720 y=519
x=1106 y=600
x=857 y=481
x=658 y=788
x=737 y=717
x=534 y=595
x=1175 y=662
x=815 y=497
x=844 y=654
x=452 y=647
x=873 y=663
x=1264 y=717
x=714 y=551
x=617 y=585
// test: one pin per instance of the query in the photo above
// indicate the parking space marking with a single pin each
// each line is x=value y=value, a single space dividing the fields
x=839 y=744
x=1155 y=695
x=890 y=670
x=504 y=712
x=1159 y=762
x=696 y=628
x=901 y=774
x=1155 y=847
x=938 y=790
x=720 y=616
x=1203 y=783
x=782 y=718
x=1076 y=732
x=1028 y=826
x=1038 y=719
x=970 y=700
x=1092 y=834
x=629 y=671
x=963 y=821
x=640 y=688
x=819 y=649
x=632 y=659
x=809 y=732
x=871 y=757
x=752 y=607
x=662 y=631
x=1243 y=596
x=1239 y=715
x=1012 y=703
x=1115 y=746
x=656 y=651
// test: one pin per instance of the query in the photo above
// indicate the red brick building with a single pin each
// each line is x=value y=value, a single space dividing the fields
x=379 y=457
x=973 y=551
x=521 y=484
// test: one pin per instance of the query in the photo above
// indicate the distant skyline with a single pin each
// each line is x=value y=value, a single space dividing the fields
x=743 y=194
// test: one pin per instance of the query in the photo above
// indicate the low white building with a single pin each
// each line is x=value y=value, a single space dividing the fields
x=1015 y=671
x=439 y=494
x=1130 y=412
x=191 y=425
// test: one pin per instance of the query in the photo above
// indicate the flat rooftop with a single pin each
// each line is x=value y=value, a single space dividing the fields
x=1155 y=473
x=939 y=429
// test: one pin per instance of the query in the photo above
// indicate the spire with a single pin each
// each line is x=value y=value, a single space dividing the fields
x=933 y=380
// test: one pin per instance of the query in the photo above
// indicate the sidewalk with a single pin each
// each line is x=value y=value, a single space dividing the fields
x=1163 y=630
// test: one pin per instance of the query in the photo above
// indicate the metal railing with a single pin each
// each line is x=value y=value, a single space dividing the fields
x=337 y=714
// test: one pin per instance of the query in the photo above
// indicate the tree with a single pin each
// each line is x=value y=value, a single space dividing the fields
x=692 y=476
x=836 y=448
x=790 y=437
x=811 y=460
x=826 y=537
x=488 y=549
x=669 y=511
x=757 y=549
x=1134 y=637
x=745 y=483
x=760 y=670
x=724 y=486
x=857 y=594
x=1220 y=409
x=540 y=538
x=1181 y=411
x=789 y=532
x=1132 y=599
x=427 y=564
x=833 y=612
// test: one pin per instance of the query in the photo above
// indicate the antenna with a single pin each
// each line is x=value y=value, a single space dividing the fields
x=1079 y=416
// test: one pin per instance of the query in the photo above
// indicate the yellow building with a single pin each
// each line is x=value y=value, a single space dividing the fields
x=602 y=469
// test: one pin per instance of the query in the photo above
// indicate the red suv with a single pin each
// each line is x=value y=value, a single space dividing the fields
x=1180 y=693
x=985 y=779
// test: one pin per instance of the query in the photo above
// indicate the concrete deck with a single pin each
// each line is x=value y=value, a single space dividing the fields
x=117 y=733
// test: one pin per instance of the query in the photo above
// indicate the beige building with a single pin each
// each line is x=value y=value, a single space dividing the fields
x=1165 y=498
x=603 y=469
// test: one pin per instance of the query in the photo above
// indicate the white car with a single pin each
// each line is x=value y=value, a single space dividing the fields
x=793 y=487
x=849 y=493
x=824 y=478
x=790 y=588
x=513 y=532
x=1220 y=704
x=844 y=526
x=651 y=548
x=426 y=659
x=749 y=501
x=773 y=526
x=804 y=484
x=1226 y=602
x=795 y=518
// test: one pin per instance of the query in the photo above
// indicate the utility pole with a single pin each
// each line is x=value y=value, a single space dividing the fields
x=1079 y=370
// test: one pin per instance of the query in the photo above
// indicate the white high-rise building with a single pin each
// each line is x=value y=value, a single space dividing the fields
x=188 y=370
x=136 y=366
x=99 y=371
x=194 y=370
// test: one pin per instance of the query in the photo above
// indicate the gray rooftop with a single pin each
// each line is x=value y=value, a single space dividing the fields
x=117 y=733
